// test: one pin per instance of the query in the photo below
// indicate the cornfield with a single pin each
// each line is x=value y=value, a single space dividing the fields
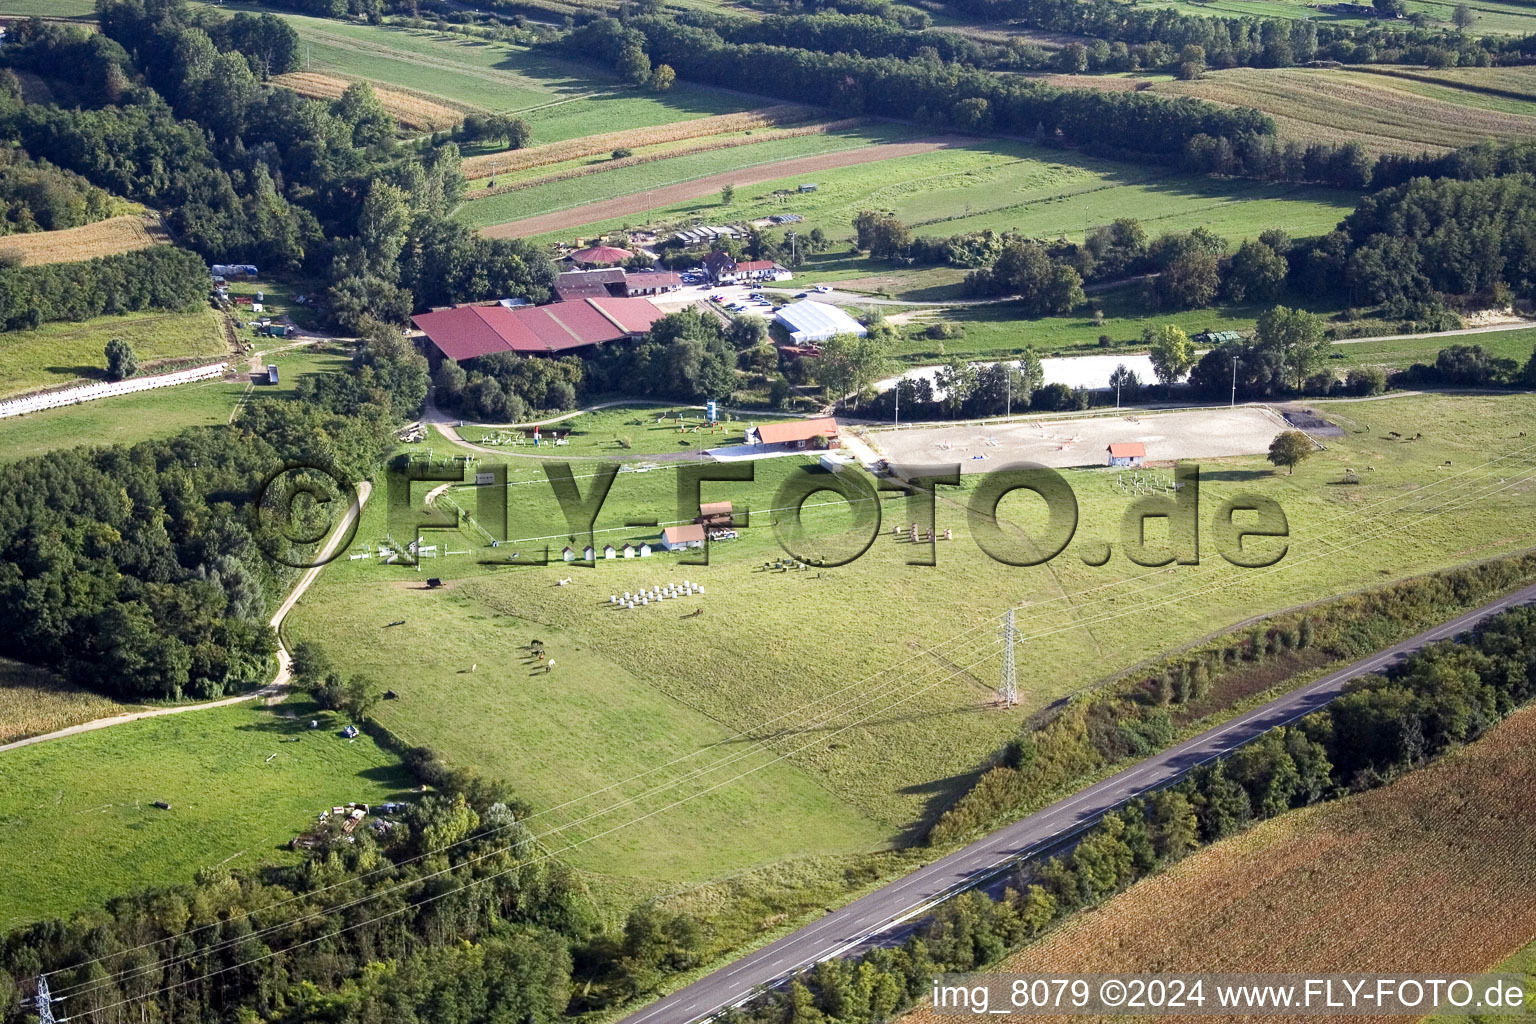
x=1430 y=873
x=412 y=111
x=1340 y=106
x=592 y=145
x=33 y=702
x=103 y=238
x=645 y=158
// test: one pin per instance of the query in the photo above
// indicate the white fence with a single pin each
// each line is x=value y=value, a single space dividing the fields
x=91 y=392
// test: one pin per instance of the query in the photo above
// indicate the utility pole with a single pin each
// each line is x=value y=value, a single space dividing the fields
x=1118 y=382
x=44 y=1001
x=1008 y=406
x=897 y=389
x=1009 y=690
x=1234 y=382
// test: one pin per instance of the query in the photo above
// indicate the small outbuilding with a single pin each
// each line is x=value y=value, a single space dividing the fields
x=677 y=538
x=568 y=554
x=794 y=433
x=1127 y=453
x=628 y=551
x=608 y=551
x=588 y=553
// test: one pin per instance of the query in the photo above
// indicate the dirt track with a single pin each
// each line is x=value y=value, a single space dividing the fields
x=698 y=188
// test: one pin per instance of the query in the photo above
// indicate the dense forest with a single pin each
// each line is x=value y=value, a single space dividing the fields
x=142 y=572
x=36 y=196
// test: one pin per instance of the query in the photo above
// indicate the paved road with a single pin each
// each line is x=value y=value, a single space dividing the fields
x=270 y=692
x=861 y=922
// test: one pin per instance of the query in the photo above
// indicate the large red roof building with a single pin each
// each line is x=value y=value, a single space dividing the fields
x=466 y=332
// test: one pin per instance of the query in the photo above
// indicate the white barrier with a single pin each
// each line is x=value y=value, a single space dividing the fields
x=91 y=392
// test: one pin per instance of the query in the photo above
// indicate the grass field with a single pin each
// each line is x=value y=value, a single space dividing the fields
x=478 y=168
x=1402 y=352
x=624 y=430
x=151 y=414
x=92 y=795
x=103 y=238
x=559 y=99
x=1492 y=16
x=637 y=179
x=49 y=8
x=65 y=353
x=1428 y=871
x=1311 y=105
x=985 y=184
x=781 y=655
x=33 y=701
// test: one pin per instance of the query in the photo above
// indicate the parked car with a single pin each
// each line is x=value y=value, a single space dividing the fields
x=823 y=288
x=801 y=295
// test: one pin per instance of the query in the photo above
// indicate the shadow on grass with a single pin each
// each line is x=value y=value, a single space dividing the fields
x=88 y=372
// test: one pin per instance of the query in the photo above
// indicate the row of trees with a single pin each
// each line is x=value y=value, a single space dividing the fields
x=932 y=92
x=1251 y=41
x=161 y=277
x=1187 y=269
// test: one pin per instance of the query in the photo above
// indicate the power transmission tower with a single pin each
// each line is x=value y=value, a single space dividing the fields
x=1009 y=690
x=44 y=1001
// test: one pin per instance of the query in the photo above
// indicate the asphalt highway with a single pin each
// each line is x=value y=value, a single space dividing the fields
x=871 y=918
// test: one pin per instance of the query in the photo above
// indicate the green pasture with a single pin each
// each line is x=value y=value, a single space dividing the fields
x=153 y=414
x=560 y=99
x=48 y=8
x=1492 y=16
x=873 y=679
x=1403 y=352
x=64 y=353
x=638 y=178
x=622 y=431
x=77 y=815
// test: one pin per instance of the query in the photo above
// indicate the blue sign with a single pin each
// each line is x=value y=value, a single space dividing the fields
x=709 y=411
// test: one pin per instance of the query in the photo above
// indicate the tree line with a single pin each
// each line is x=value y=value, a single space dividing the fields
x=161 y=277
x=1127 y=38
x=931 y=93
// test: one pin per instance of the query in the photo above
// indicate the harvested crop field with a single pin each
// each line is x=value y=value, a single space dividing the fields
x=103 y=238
x=1428 y=874
x=410 y=110
x=1102 y=83
x=697 y=188
x=1314 y=105
x=592 y=145
x=34 y=701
